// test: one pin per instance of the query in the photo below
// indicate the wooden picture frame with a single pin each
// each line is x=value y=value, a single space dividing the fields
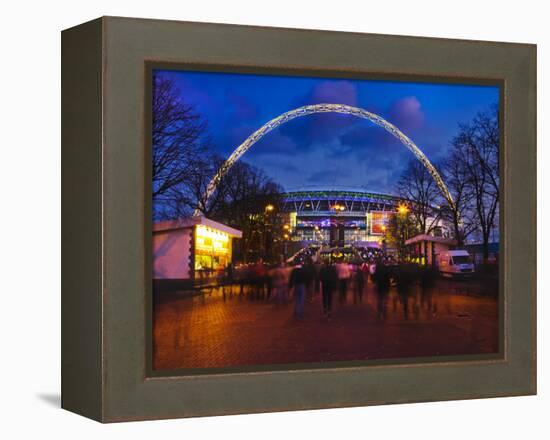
x=106 y=214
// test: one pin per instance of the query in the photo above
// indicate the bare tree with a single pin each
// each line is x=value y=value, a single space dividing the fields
x=418 y=187
x=177 y=138
x=247 y=191
x=183 y=199
x=461 y=215
x=476 y=154
x=183 y=166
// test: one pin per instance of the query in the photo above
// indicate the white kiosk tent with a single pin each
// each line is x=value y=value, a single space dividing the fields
x=190 y=250
x=429 y=247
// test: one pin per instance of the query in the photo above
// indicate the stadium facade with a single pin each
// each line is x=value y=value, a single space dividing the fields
x=340 y=217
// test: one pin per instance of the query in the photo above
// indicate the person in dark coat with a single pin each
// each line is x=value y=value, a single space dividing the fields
x=310 y=274
x=381 y=278
x=329 y=281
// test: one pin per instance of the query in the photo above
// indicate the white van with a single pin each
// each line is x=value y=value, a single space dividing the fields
x=456 y=263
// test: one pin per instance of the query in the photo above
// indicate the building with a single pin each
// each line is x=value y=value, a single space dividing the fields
x=340 y=217
x=425 y=248
x=191 y=250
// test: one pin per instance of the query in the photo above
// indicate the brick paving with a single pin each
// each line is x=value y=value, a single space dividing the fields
x=213 y=330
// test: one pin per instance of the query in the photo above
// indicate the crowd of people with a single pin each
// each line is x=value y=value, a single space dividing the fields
x=328 y=278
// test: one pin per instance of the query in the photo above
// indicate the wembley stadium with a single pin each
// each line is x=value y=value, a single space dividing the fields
x=339 y=217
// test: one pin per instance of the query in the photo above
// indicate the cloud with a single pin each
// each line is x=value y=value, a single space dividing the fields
x=299 y=134
x=323 y=127
x=406 y=114
x=333 y=92
x=359 y=152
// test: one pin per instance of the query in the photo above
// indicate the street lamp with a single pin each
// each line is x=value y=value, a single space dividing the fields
x=267 y=231
x=402 y=209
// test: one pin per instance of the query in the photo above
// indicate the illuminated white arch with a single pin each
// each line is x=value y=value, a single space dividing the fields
x=326 y=108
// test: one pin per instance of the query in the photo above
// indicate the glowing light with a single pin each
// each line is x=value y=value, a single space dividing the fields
x=327 y=108
x=269 y=208
x=204 y=232
x=211 y=240
x=402 y=209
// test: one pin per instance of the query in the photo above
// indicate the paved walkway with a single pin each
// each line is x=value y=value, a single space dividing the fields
x=216 y=330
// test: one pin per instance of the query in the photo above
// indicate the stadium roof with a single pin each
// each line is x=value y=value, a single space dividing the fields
x=342 y=194
x=331 y=188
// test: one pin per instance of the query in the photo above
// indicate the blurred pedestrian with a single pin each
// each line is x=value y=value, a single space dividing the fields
x=309 y=273
x=403 y=280
x=298 y=281
x=359 y=285
x=228 y=279
x=344 y=274
x=381 y=278
x=372 y=271
x=329 y=280
x=279 y=281
x=258 y=279
x=317 y=265
x=268 y=283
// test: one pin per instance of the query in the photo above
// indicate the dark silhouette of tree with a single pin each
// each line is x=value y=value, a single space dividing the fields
x=240 y=201
x=183 y=165
x=471 y=173
x=475 y=163
x=461 y=216
x=187 y=196
x=418 y=187
x=178 y=140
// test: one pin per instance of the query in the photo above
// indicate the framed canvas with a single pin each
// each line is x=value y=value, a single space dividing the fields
x=262 y=219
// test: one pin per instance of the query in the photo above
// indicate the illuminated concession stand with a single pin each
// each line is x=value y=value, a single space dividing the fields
x=191 y=249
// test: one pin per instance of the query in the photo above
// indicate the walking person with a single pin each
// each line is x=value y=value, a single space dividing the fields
x=310 y=275
x=279 y=284
x=258 y=281
x=329 y=280
x=268 y=282
x=317 y=265
x=366 y=272
x=381 y=278
x=403 y=283
x=342 y=269
x=359 y=285
x=372 y=271
x=298 y=281
x=228 y=280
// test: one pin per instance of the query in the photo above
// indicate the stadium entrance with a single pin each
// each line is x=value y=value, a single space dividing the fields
x=339 y=218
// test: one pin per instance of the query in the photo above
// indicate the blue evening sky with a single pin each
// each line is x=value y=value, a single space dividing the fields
x=330 y=150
